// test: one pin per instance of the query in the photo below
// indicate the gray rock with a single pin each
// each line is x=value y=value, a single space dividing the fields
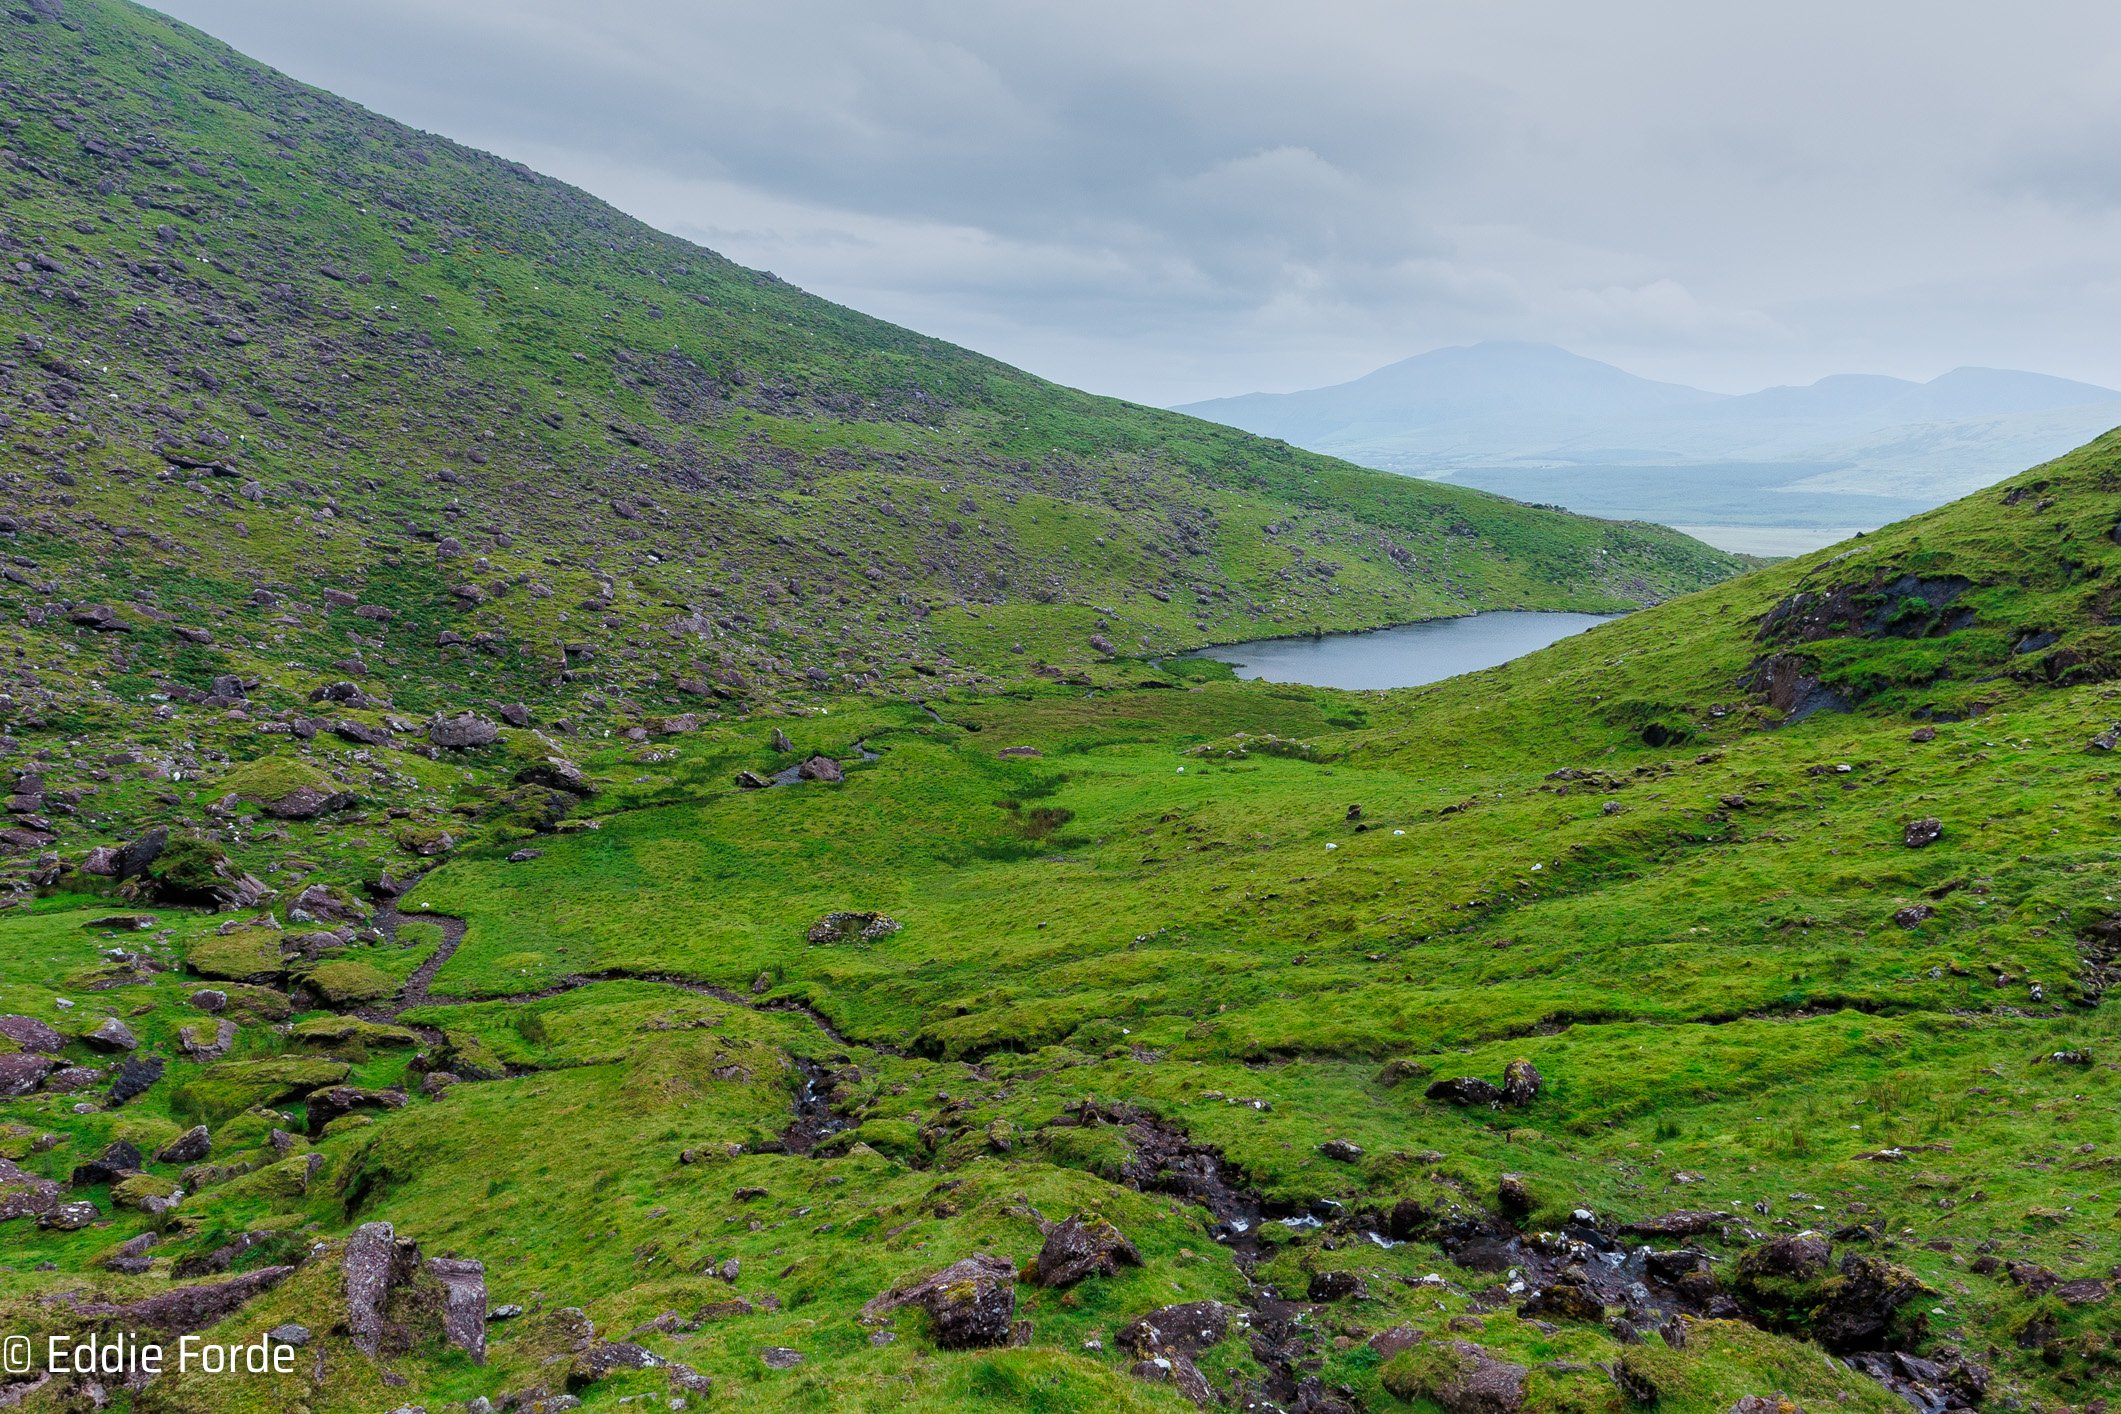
x=821 y=768
x=780 y=1357
x=111 y=1035
x=972 y=1302
x=852 y=927
x=1521 y=1083
x=307 y=803
x=1465 y=1090
x=189 y=1147
x=31 y=1034
x=1921 y=834
x=370 y=1270
x=21 y=1072
x=463 y=1303
x=289 y=1334
x=462 y=732
x=1083 y=1245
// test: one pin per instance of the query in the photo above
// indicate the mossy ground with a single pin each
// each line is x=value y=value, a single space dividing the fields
x=1120 y=880
x=1710 y=977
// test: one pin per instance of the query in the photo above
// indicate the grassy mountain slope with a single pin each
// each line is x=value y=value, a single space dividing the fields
x=1757 y=1010
x=1797 y=893
x=266 y=344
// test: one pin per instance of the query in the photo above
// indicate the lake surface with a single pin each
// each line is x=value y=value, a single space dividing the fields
x=1406 y=656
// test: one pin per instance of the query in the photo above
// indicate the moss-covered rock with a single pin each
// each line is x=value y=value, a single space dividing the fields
x=344 y=983
x=245 y=955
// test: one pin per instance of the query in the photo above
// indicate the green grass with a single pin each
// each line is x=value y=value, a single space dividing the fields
x=1715 y=950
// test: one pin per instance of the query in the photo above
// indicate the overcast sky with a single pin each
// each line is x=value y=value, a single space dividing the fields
x=1175 y=199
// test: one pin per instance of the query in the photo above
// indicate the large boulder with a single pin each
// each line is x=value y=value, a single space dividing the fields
x=1521 y=1083
x=972 y=1302
x=136 y=856
x=307 y=803
x=1189 y=1328
x=110 y=1035
x=557 y=773
x=373 y=1263
x=31 y=1034
x=24 y=1194
x=1081 y=1246
x=462 y=732
x=1860 y=1307
x=189 y=1147
x=463 y=1303
x=1466 y=1090
x=117 y=1161
x=21 y=1072
x=821 y=768
x=1459 y=1377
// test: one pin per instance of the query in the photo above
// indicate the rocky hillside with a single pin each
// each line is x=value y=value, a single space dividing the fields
x=334 y=397
x=405 y=976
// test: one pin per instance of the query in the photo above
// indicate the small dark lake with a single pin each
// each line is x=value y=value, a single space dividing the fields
x=1406 y=656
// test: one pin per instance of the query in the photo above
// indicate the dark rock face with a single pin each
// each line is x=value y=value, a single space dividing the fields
x=189 y=1147
x=1341 y=1151
x=1465 y=1090
x=31 y=1034
x=100 y=617
x=1513 y=1191
x=1905 y=606
x=135 y=857
x=1801 y=1256
x=1334 y=1286
x=972 y=1302
x=1921 y=834
x=114 y=1163
x=462 y=732
x=1178 y=1372
x=1081 y=1246
x=1189 y=1328
x=851 y=927
x=1861 y=1305
x=463 y=1303
x=136 y=1076
x=1567 y=1298
x=1788 y=683
x=1521 y=1082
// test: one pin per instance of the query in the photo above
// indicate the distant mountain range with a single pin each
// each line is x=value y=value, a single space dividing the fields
x=1537 y=422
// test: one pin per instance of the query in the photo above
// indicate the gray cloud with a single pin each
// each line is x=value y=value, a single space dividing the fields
x=1196 y=197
